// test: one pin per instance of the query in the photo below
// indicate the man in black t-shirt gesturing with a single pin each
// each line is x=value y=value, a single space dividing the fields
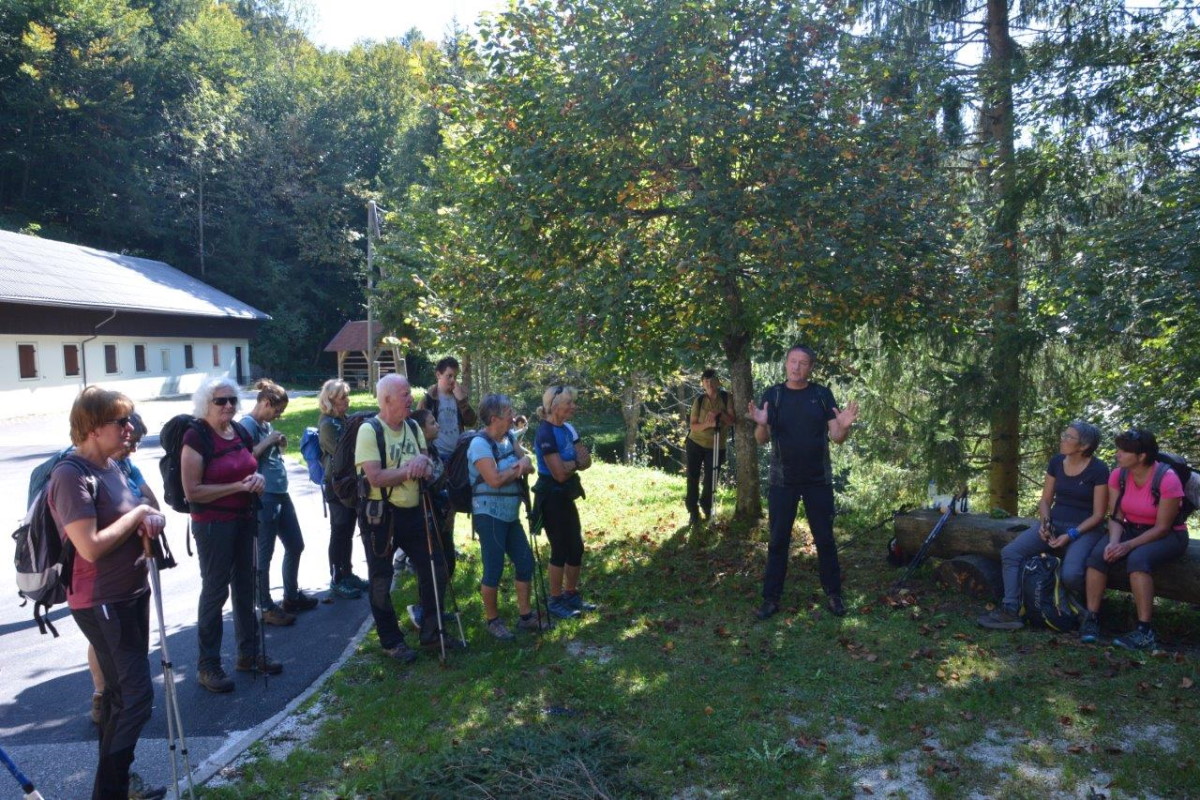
x=800 y=418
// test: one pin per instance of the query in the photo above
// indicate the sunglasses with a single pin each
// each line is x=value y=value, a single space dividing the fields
x=121 y=422
x=225 y=401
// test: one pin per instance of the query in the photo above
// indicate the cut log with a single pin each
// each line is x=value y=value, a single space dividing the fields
x=975 y=534
x=978 y=576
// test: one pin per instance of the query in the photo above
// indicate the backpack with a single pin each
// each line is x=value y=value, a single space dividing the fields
x=171 y=440
x=1188 y=478
x=458 y=474
x=310 y=448
x=1045 y=601
x=43 y=560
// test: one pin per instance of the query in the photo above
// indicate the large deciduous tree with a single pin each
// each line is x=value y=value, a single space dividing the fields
x=656 y=179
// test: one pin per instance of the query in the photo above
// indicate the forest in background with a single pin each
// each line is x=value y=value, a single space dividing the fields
x=983 y=215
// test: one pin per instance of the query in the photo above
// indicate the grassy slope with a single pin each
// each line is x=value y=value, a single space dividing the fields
x=673 y=690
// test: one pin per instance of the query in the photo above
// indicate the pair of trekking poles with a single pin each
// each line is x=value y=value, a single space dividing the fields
x=433 y=534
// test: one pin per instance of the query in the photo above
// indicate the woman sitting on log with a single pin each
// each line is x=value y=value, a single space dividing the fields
x=1071 y=513
x=1143 y=530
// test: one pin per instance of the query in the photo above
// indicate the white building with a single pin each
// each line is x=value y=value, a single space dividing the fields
x=71 y=316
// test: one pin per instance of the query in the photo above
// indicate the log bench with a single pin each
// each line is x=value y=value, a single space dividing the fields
x=971 y=544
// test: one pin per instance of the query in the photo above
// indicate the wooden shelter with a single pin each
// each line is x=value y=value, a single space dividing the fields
x=361 y=365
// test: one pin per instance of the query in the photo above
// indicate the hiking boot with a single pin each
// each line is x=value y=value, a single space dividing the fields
x=214 y=679
x=299 y=603
x=1001 y=619
x=263 y=664
x=1089 y=628
x=345 y=589
x=362 y=584
x=416 y=615
x=694 y=518
x=575 y=600
x=1138 y=639
x=497 y=628
x=138 y=790
x=402 y=653
x=836 y=606
x=532 y=622
x=558 y=607
x=277 y=616
x=97 y=701
x=768 y=609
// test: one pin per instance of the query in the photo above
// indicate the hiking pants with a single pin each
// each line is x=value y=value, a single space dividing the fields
x=1145 y=558
x=782 y=504
x=402 y=528
x=277 y=518
x=560 y=520
x=699 y=495
x=120 y=634
x=225 y=551
x=342 y=520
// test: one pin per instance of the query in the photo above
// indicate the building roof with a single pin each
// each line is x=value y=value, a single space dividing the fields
x=353 y=336
x=45 y=272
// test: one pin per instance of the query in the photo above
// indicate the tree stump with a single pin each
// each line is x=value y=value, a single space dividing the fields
x=978 y=535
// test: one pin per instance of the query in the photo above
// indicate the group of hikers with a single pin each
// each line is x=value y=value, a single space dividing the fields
x=236 y=486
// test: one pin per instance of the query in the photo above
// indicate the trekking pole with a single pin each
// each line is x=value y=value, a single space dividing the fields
x=716 y=468
x=170 y=699
x=928 y=543
x=541 y=602
x=261 y=655
x=428 y=507
x=437 y=603
x=26 y=784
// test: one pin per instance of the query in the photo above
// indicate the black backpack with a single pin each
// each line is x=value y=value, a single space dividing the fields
x=458 y=476
x=342 y=475
x=43 y=560
x=1188 y=478
x=1045 y=601
x=171 y=440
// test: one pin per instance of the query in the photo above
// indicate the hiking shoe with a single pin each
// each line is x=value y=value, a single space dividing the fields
x=836 y=606
x=277 y=616
x=402 y=653
x=1089 y=628
x=575 y=600
x=1138 y=639
x=497 y=628
x=416 y=615
x=138 y=790
x=263 y=664
x=214 y=679
x=768 y=609
x=299 y=603
x=532 y=622
x=694 y=518
x=559 y=607
x=97 y=701
x=345 y=589
x=362 y=584
x=1001 y=619
x=431 y=642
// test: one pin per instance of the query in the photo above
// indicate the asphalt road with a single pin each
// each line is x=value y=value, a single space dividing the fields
x=45 y=688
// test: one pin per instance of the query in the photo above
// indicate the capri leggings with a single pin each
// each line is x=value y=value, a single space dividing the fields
x=1146 y=557
x=498 y=538
x=561 y=521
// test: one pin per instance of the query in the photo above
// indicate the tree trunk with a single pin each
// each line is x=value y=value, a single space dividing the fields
x=748 y=503
x=1002 y=260
x=464 y=373
x=631 y=411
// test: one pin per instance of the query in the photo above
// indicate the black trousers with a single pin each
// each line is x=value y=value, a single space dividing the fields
x=782 y=505
x=403 y=528
x=699 y=478
x=120 y=634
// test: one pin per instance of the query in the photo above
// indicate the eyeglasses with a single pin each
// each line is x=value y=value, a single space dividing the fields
x=225 y=401
x=1066 y=436
x=120 y=422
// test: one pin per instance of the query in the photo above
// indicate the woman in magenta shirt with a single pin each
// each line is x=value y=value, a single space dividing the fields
x=1142 y=531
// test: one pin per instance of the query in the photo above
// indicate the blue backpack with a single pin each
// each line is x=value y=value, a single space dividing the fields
x=310 y=448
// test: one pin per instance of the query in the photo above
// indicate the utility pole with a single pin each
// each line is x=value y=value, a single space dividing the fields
x=373 y=232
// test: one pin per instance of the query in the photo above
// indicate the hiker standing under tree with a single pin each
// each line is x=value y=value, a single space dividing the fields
x=711 y=414
x=800 y=418
x=447 y=400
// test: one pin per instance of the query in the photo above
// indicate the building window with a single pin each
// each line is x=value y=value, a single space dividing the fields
x=27 y=356
x=165 y=355
x=216 y=356
x=188 y=361
x=139 y=358
x=70 y=360
x=110 y=359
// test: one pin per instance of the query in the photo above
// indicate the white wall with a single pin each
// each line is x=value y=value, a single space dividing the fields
x=53 y=391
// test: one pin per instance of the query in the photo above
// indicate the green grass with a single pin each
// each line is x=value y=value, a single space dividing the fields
x=673 y=690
